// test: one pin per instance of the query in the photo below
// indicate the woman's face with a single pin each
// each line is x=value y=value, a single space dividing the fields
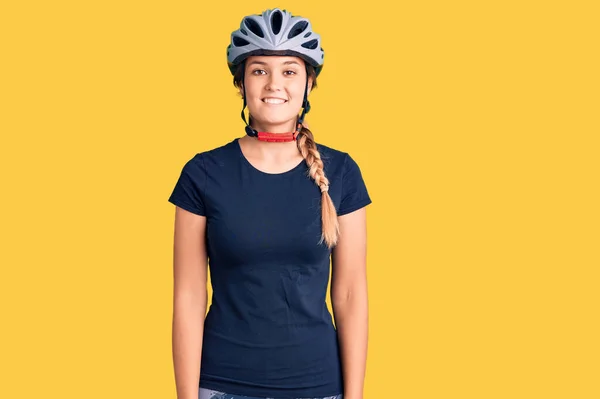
x=277 y=78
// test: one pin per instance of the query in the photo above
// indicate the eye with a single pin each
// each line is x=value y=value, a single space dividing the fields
x=262 y=70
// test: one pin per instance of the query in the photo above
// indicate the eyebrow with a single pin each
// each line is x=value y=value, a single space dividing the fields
x=264 y=63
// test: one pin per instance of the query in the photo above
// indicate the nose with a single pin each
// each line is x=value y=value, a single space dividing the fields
x=274 y=82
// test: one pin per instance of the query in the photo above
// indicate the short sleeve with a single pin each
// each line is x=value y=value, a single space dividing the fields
x=354 y=190
x=188 y=192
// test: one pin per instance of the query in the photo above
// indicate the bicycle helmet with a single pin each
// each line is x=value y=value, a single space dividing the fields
x=276 y=32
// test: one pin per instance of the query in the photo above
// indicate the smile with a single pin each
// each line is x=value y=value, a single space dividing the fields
x=275 y=101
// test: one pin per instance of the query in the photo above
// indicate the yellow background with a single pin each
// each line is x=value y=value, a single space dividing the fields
x=475 y=125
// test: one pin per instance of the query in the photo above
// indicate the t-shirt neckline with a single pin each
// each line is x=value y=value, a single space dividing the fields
x=245 y=161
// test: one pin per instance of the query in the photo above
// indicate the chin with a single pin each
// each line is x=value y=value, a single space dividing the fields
x=275 y=121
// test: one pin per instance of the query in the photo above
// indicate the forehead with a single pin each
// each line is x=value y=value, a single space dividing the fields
x=274 y=60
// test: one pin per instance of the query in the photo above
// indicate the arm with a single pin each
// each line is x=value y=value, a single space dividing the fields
x=189 y=300
x=349 y=300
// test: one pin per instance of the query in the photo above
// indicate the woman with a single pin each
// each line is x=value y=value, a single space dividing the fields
x=270 y=210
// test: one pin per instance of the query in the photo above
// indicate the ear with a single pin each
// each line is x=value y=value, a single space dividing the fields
x=310 y=83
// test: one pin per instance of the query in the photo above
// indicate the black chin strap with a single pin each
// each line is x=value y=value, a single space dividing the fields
x=305 y=108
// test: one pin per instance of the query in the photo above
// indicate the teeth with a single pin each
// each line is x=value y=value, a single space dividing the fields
x=273 y=101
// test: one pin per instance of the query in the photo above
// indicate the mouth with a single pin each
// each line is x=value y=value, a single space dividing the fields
x=274 y=101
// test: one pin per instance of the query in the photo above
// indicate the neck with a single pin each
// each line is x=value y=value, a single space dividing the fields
x=276 y=128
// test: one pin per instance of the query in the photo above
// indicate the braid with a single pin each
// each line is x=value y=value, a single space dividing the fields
x=308 y=149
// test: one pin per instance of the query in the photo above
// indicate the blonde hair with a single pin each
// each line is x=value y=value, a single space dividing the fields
x=308 y=148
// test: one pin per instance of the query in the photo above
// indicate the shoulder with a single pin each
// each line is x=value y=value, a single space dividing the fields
x=330 y=151
x=222 y=150
x=335 y=159
x=213 y=155
x=333 y=155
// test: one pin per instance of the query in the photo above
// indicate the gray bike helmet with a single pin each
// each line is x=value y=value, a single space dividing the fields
x=275 y=32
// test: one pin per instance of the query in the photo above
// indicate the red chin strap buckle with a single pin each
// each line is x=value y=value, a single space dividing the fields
x=279 y=137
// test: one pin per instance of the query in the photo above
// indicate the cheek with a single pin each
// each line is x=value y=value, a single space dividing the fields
x=251 y=90
x=299 y=90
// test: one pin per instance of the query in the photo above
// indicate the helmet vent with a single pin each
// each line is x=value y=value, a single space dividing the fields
x=254 y=27
x=308 y=34
x=276 y=19
x=312 y=44
x=297 y=29
x=244 y=31
x=239 y=42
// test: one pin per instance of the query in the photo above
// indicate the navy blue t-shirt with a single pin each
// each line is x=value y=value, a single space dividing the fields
x=268 y=331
